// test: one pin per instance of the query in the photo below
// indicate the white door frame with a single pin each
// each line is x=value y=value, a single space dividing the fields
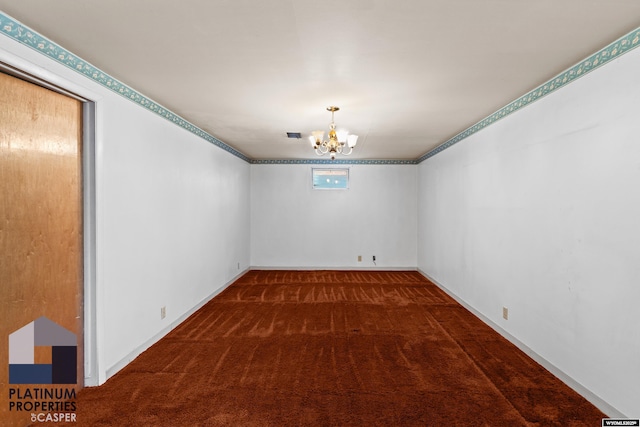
x=25 y=70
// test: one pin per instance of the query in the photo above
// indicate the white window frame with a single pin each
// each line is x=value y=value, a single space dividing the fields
x=340 y=171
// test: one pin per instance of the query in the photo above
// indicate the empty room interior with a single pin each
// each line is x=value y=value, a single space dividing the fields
x=325 y=213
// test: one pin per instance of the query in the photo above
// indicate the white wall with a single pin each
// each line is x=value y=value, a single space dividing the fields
x=172 y=215
x=175 y=224
x=540 y=213
x=294 y=226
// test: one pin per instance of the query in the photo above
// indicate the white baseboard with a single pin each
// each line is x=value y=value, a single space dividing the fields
x=154 y=339
x=316 y=268
x=562 y=376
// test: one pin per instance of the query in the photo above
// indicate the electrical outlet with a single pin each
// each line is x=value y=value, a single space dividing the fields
x=163 y=312
x=505 y=313
x=359 y=258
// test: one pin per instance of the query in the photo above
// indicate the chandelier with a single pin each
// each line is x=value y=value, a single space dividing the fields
x=340 y=142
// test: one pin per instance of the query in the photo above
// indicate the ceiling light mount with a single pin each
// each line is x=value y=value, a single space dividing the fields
x=339 y=142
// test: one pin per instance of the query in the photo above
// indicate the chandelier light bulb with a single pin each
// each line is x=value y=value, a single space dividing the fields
x=342 y=136
x=352 y=140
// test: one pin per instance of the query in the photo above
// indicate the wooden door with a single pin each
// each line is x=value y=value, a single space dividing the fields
x=40 y=231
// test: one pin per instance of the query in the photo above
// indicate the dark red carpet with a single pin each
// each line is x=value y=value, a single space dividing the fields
x=334 y=348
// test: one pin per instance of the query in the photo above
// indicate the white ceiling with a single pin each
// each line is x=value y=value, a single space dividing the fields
x=407 y=74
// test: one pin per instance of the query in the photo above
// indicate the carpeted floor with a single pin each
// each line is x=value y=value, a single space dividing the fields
x=333 y=348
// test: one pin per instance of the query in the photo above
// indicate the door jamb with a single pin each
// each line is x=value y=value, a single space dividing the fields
x=40 y=77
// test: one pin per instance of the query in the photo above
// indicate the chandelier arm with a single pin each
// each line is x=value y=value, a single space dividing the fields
x=347 y=153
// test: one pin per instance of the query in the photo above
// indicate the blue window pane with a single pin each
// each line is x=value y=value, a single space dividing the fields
x=330 y=179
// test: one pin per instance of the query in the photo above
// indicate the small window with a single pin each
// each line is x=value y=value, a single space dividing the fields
x=330 y=179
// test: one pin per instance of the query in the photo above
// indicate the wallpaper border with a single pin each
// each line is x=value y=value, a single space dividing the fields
x=331 y=162
x=24 y=35
x=623 y=45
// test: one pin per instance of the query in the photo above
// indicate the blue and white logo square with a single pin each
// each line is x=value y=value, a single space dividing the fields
x=60 y=354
